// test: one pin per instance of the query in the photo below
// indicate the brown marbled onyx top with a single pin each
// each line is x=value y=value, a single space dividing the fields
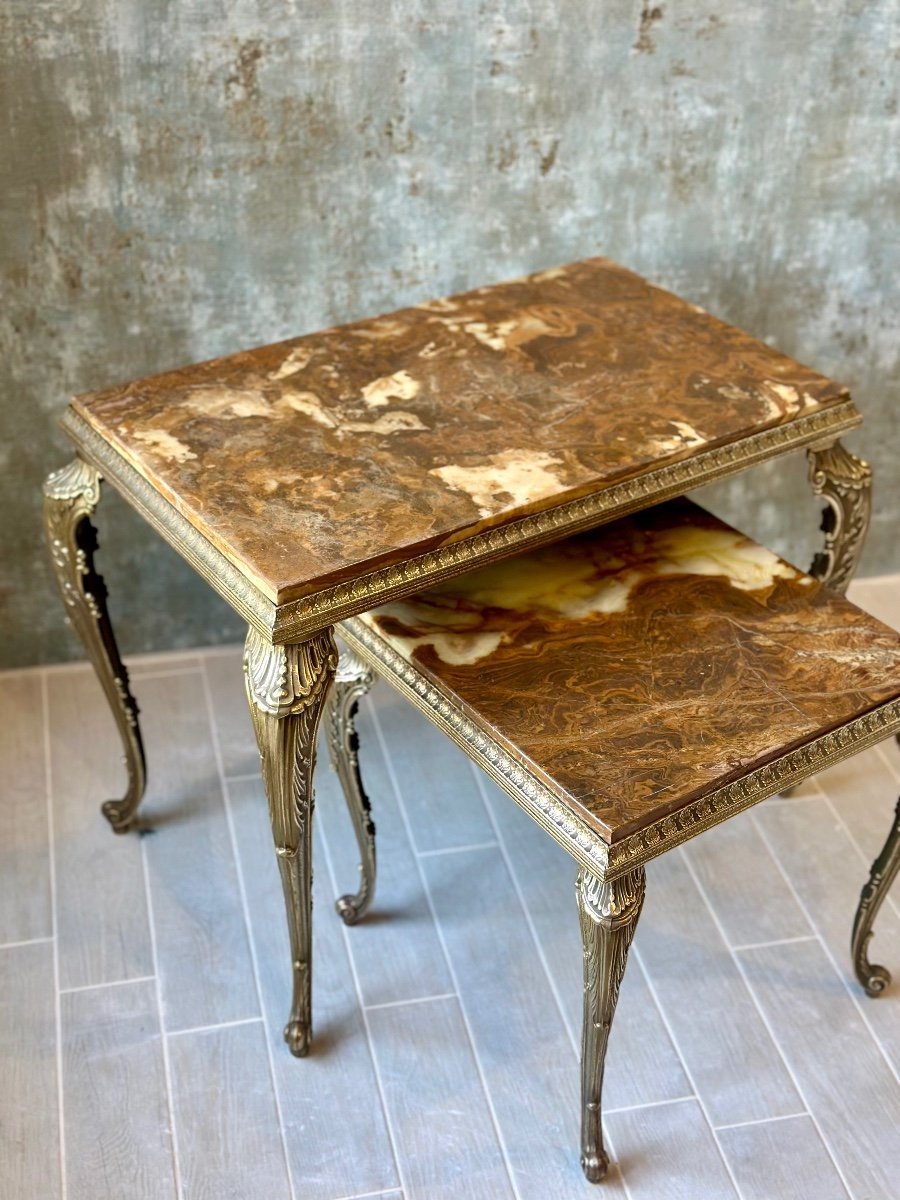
x=637 y=667
x=316 y=460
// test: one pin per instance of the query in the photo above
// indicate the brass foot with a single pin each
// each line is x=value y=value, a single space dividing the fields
x=297 y=1036
x=595 y=1166
x=121 y=814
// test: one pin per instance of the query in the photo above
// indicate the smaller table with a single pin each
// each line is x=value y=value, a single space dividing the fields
x=311 y=480
x=629 y=687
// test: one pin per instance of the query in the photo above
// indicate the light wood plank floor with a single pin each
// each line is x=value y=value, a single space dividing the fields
x=144 y=979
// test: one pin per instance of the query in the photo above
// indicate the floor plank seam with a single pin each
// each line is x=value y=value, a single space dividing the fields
x=109 y=983
x=805 y=937
x=529 y=920
x=41 y=941
x=412 y=1000
x=763 y=1120
x=455 y=849
x=370 y=1195
x=850 y=986
x=687 y=1072
x=692 y=872
x=740 y=966
x=624 y=1108
x=501 y=1141
x=170 y=1033
x=164 y=1040
x=370 y=1045
x=248 y=924
x=54 y=925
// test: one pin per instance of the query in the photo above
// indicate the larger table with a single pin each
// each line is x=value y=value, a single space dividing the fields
x=310 y=480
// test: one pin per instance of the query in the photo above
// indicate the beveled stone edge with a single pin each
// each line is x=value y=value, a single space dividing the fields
x=565 y=826
x=298 y=619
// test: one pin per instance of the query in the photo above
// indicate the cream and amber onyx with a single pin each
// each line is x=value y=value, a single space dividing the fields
x=286 y=690
x=70 y=497
x=608 y=913
x=351 y=682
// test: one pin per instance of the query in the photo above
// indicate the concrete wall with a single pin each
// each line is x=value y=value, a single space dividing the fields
x=179 y=180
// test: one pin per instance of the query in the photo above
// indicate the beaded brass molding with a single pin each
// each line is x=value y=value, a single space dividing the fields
x=555 y=813
x=297 y=619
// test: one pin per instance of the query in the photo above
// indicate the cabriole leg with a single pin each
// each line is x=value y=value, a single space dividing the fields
x=351 y=682
x=608 y=913
x=70 y=497
x=884 y=871
x=845 y=483
x=286 y=689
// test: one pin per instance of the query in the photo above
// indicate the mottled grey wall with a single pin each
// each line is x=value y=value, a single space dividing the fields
x=182 y=178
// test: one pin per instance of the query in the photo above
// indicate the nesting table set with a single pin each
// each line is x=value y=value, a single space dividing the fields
x=481 y=494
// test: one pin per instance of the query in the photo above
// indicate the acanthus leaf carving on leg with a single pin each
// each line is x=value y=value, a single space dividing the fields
x=351 y=682
x=608 y=912
x=845 y=483
x=70 y=497
x=286 y=690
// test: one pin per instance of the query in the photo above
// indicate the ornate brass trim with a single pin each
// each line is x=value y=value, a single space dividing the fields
x=351 y=682
x=884 y=871
x=70 y=497
x=286 y=689
x=769 y=780
x=298 y=618
x=845 y=482
x=555 y=812
x=608 y=914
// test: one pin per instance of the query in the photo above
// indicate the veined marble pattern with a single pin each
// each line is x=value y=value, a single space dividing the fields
x=700 y=654
x=315 y=460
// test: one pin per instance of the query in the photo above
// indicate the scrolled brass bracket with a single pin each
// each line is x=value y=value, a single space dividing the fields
x=845 y=483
